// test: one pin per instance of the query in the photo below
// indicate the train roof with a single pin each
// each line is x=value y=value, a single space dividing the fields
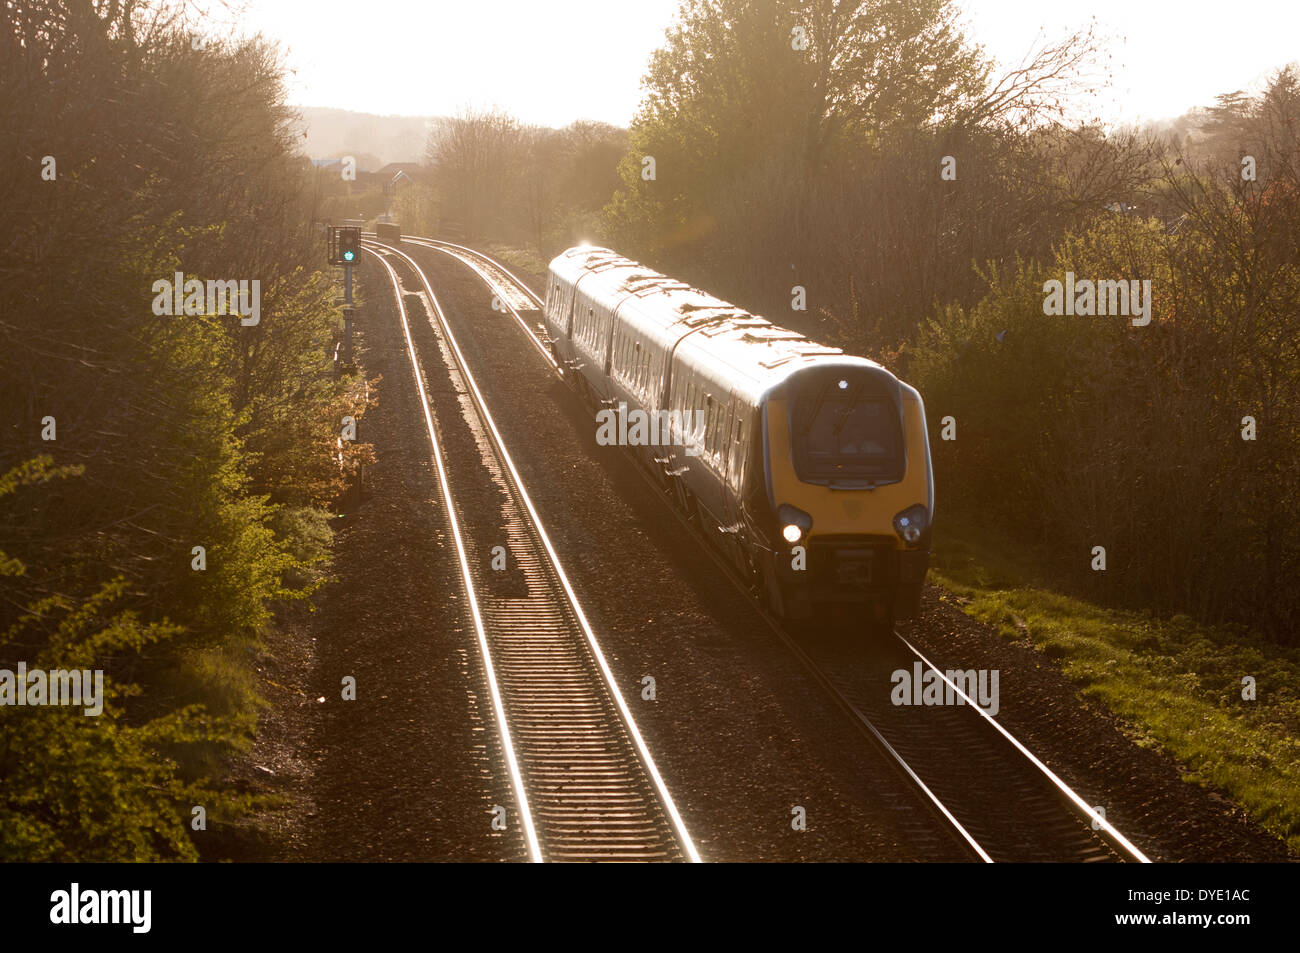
x=757 y=353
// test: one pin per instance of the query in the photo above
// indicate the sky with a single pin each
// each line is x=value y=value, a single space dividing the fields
x=553 y=61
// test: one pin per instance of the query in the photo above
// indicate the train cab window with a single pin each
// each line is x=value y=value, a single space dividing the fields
x=846 y=429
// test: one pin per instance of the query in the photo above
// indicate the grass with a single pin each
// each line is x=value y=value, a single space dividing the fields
x=1177 y=683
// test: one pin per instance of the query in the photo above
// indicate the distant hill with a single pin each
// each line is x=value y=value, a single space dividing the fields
x=374 y=140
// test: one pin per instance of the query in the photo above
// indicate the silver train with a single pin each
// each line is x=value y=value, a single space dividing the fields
x=807 y=468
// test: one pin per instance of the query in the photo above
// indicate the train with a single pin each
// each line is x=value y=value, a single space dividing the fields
x=806 y=468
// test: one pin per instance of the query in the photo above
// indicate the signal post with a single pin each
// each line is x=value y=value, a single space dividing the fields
x=344 y=249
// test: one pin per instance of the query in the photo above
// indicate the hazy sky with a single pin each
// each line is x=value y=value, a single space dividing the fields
x=553 y=61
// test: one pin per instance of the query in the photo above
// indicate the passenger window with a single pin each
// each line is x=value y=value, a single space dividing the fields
x=711 y=429
x=720 y=441
x=724 y=432
x=737 y=450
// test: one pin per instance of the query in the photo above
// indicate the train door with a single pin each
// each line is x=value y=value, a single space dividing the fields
x=688 y=458
x=711 y=495
x=736 y=465
x=606 y=325
x=562 y=342
x=611 y=337
x=725 y=452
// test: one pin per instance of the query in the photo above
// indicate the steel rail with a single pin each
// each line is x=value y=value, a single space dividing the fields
x=498 y=707
x=538 y=654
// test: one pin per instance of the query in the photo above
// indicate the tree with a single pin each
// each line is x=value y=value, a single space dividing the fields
x=186 y=430
x=471 y=154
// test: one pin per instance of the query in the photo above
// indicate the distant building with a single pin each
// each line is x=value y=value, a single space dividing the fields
x=416 y=171
x=360 y=182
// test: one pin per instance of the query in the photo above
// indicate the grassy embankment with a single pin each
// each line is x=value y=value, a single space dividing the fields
x=1176 y=683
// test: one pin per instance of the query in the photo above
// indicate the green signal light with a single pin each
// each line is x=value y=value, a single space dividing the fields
x=348 y=256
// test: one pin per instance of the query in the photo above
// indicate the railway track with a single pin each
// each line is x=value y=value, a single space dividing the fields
x=1004 y=798
x=510 y=292
x=998 y=801
x=584 y=781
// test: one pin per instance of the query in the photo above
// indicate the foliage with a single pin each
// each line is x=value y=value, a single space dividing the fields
x=921 y=201
x=494 y=176
x=1172 y=681
x=183 y=431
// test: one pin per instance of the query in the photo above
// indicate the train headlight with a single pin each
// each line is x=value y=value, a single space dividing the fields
x=911 y=523
x=795 y=523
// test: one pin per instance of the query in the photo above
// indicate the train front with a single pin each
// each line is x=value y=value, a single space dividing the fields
x=850 y=490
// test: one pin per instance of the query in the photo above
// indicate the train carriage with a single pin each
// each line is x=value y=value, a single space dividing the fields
x=808 y=468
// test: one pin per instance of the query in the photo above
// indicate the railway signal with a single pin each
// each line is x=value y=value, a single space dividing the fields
x=345 y=250
x=344 y=244
x=349 y=240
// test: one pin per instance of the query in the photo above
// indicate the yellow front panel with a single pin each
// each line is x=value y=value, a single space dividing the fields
x=856 y=512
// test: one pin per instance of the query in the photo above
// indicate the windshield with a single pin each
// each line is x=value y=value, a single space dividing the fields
x=846 y=428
